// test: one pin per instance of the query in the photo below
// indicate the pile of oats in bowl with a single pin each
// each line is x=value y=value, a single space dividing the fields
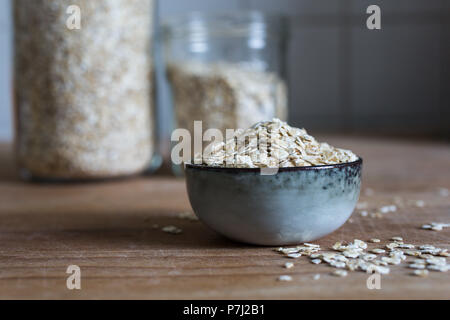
x=272 y=144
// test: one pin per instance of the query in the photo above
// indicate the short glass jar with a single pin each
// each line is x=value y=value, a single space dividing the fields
x=84 y=88
x=226 y=70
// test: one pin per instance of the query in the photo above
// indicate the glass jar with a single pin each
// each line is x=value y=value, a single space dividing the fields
x=84 y=88
x=226 y=70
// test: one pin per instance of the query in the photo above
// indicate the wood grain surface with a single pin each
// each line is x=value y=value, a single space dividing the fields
x=108 y=230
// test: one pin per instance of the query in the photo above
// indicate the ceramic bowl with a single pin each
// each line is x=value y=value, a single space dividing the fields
x=293 y=206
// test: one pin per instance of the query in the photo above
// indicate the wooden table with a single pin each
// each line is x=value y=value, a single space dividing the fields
x=107 y=230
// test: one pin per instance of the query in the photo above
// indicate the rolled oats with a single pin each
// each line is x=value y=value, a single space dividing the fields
x=378 y=251
x=340 y=273
x=390 y=260
x=284 y=278
x=435 y=226
x=172 y=230
x=272 y=144
x=417 y=266
x=188 y=215
x=439 y=268
x=420 y=203
x=225 y=95
x=421 y=273
x=354 y=257
x=288 y=265
x=83 y=97
x=443 y=192
x=369 y=257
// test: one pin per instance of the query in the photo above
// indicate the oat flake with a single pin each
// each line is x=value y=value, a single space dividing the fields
x=272 y=144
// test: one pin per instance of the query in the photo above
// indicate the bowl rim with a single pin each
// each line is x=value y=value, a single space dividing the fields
x=358 y=162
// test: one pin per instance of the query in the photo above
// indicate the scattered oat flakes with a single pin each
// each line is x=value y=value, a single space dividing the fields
x=316 y=276
x=284 y=278
x=376 y=215
x=364 y=213
x=392 y=245
x=437 y=261
x=378 y=269
x=417 y=266
x=399 y=202
x=187 y=216
x=362 y=205
x=421 y=273
x=351 y=253
x=353 y=256
x=420 y=203
x=375 y=240
x=387 y=209
x=406 y=246
x=380 y=263
x=312 y=245
x=340 y=273
x=360 y=244
x=172 y=230
x=294 y=255
x=444 y=253
x=337 y=264
x=397 y=254
x=433 y=267
x=288 y=265
x=414 y=253
x=443 y=192
x=419 y=261
x=287 y=250
x=390 y=260
x=369 y=257
x=435 y=226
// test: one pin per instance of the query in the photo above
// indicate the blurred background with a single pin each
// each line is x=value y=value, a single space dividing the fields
x=343 y=77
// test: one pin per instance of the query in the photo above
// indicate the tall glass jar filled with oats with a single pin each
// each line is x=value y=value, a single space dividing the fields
x=226 y=70
x=83 y=88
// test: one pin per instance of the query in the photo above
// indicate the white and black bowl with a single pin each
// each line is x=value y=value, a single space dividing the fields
x=294 y=205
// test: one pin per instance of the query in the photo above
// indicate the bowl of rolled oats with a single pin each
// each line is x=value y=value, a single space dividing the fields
x=273 y=184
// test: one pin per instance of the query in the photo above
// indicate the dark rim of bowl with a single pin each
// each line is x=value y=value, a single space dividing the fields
x=356 y=163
